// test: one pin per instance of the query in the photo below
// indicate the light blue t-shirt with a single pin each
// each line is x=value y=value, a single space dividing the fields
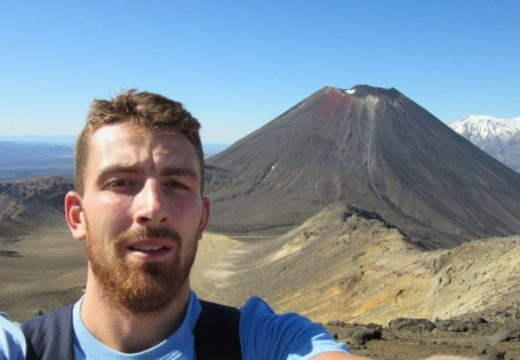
x=12 y=340
x=263 y=335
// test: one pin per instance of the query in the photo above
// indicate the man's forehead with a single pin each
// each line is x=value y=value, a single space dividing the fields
x=127 y=143
x=133 y=134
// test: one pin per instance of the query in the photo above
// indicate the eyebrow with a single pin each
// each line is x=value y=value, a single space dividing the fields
x=134 y=169
x=118 y=168
x=179 y=171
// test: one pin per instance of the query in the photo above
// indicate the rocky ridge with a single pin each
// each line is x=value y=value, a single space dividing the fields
x=28 y=203
x=357 y=267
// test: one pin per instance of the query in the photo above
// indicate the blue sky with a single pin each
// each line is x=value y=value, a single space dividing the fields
x=238 y=64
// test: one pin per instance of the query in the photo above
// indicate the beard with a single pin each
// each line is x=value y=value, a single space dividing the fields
x=140 y=286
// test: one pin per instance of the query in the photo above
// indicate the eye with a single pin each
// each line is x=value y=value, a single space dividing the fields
x=176 y=185
x=117 y=183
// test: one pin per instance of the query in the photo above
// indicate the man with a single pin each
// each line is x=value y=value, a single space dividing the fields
x=139 y=207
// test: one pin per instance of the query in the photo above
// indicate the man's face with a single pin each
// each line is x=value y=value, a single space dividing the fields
x=142 y=214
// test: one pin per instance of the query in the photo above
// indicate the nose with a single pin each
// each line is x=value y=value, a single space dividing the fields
x=150 y=204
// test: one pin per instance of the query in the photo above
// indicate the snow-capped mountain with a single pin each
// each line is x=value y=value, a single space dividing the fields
x=484 y=127
x=498 y=137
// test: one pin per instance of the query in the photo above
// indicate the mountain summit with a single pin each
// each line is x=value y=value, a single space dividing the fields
x=483 y=127
x=374 y=149
x=498 y=137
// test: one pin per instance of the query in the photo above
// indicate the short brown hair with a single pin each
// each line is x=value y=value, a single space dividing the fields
x=153 y=111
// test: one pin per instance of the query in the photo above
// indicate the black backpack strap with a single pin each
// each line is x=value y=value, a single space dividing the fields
x=217 y=333
x=50 y=336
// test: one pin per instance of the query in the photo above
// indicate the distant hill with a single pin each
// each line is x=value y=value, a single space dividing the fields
x=30 y=203
x=23 y=157
x=21 y=160
x=498 y=137
x=375 y=149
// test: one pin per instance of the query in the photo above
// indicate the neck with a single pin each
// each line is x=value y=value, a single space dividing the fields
x=127 y=332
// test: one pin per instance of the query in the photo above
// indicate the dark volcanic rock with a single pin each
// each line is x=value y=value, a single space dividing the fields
x=411 y=324
x=409 y=339
x=9 y=253
x=357 y=334
x=369 y=215
x=506 y=334
x=373 y=148
x=462 y=325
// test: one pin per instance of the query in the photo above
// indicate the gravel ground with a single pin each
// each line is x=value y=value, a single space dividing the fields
x=491 y=336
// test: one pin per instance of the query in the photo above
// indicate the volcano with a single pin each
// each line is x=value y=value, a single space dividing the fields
x=371 y=148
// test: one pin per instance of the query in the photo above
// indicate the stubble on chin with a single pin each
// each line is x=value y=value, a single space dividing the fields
x=139 y=286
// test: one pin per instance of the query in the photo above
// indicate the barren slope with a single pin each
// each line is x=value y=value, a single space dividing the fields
x=343 y=265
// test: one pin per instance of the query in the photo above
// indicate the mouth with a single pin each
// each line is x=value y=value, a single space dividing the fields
x=150 y=249
x=146 y=249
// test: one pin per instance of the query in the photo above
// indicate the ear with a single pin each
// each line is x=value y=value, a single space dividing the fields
x=74 y=215
x=204 y=218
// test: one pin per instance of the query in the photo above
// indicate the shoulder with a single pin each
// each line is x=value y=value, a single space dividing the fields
x=12 y=339
x=265 y=334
